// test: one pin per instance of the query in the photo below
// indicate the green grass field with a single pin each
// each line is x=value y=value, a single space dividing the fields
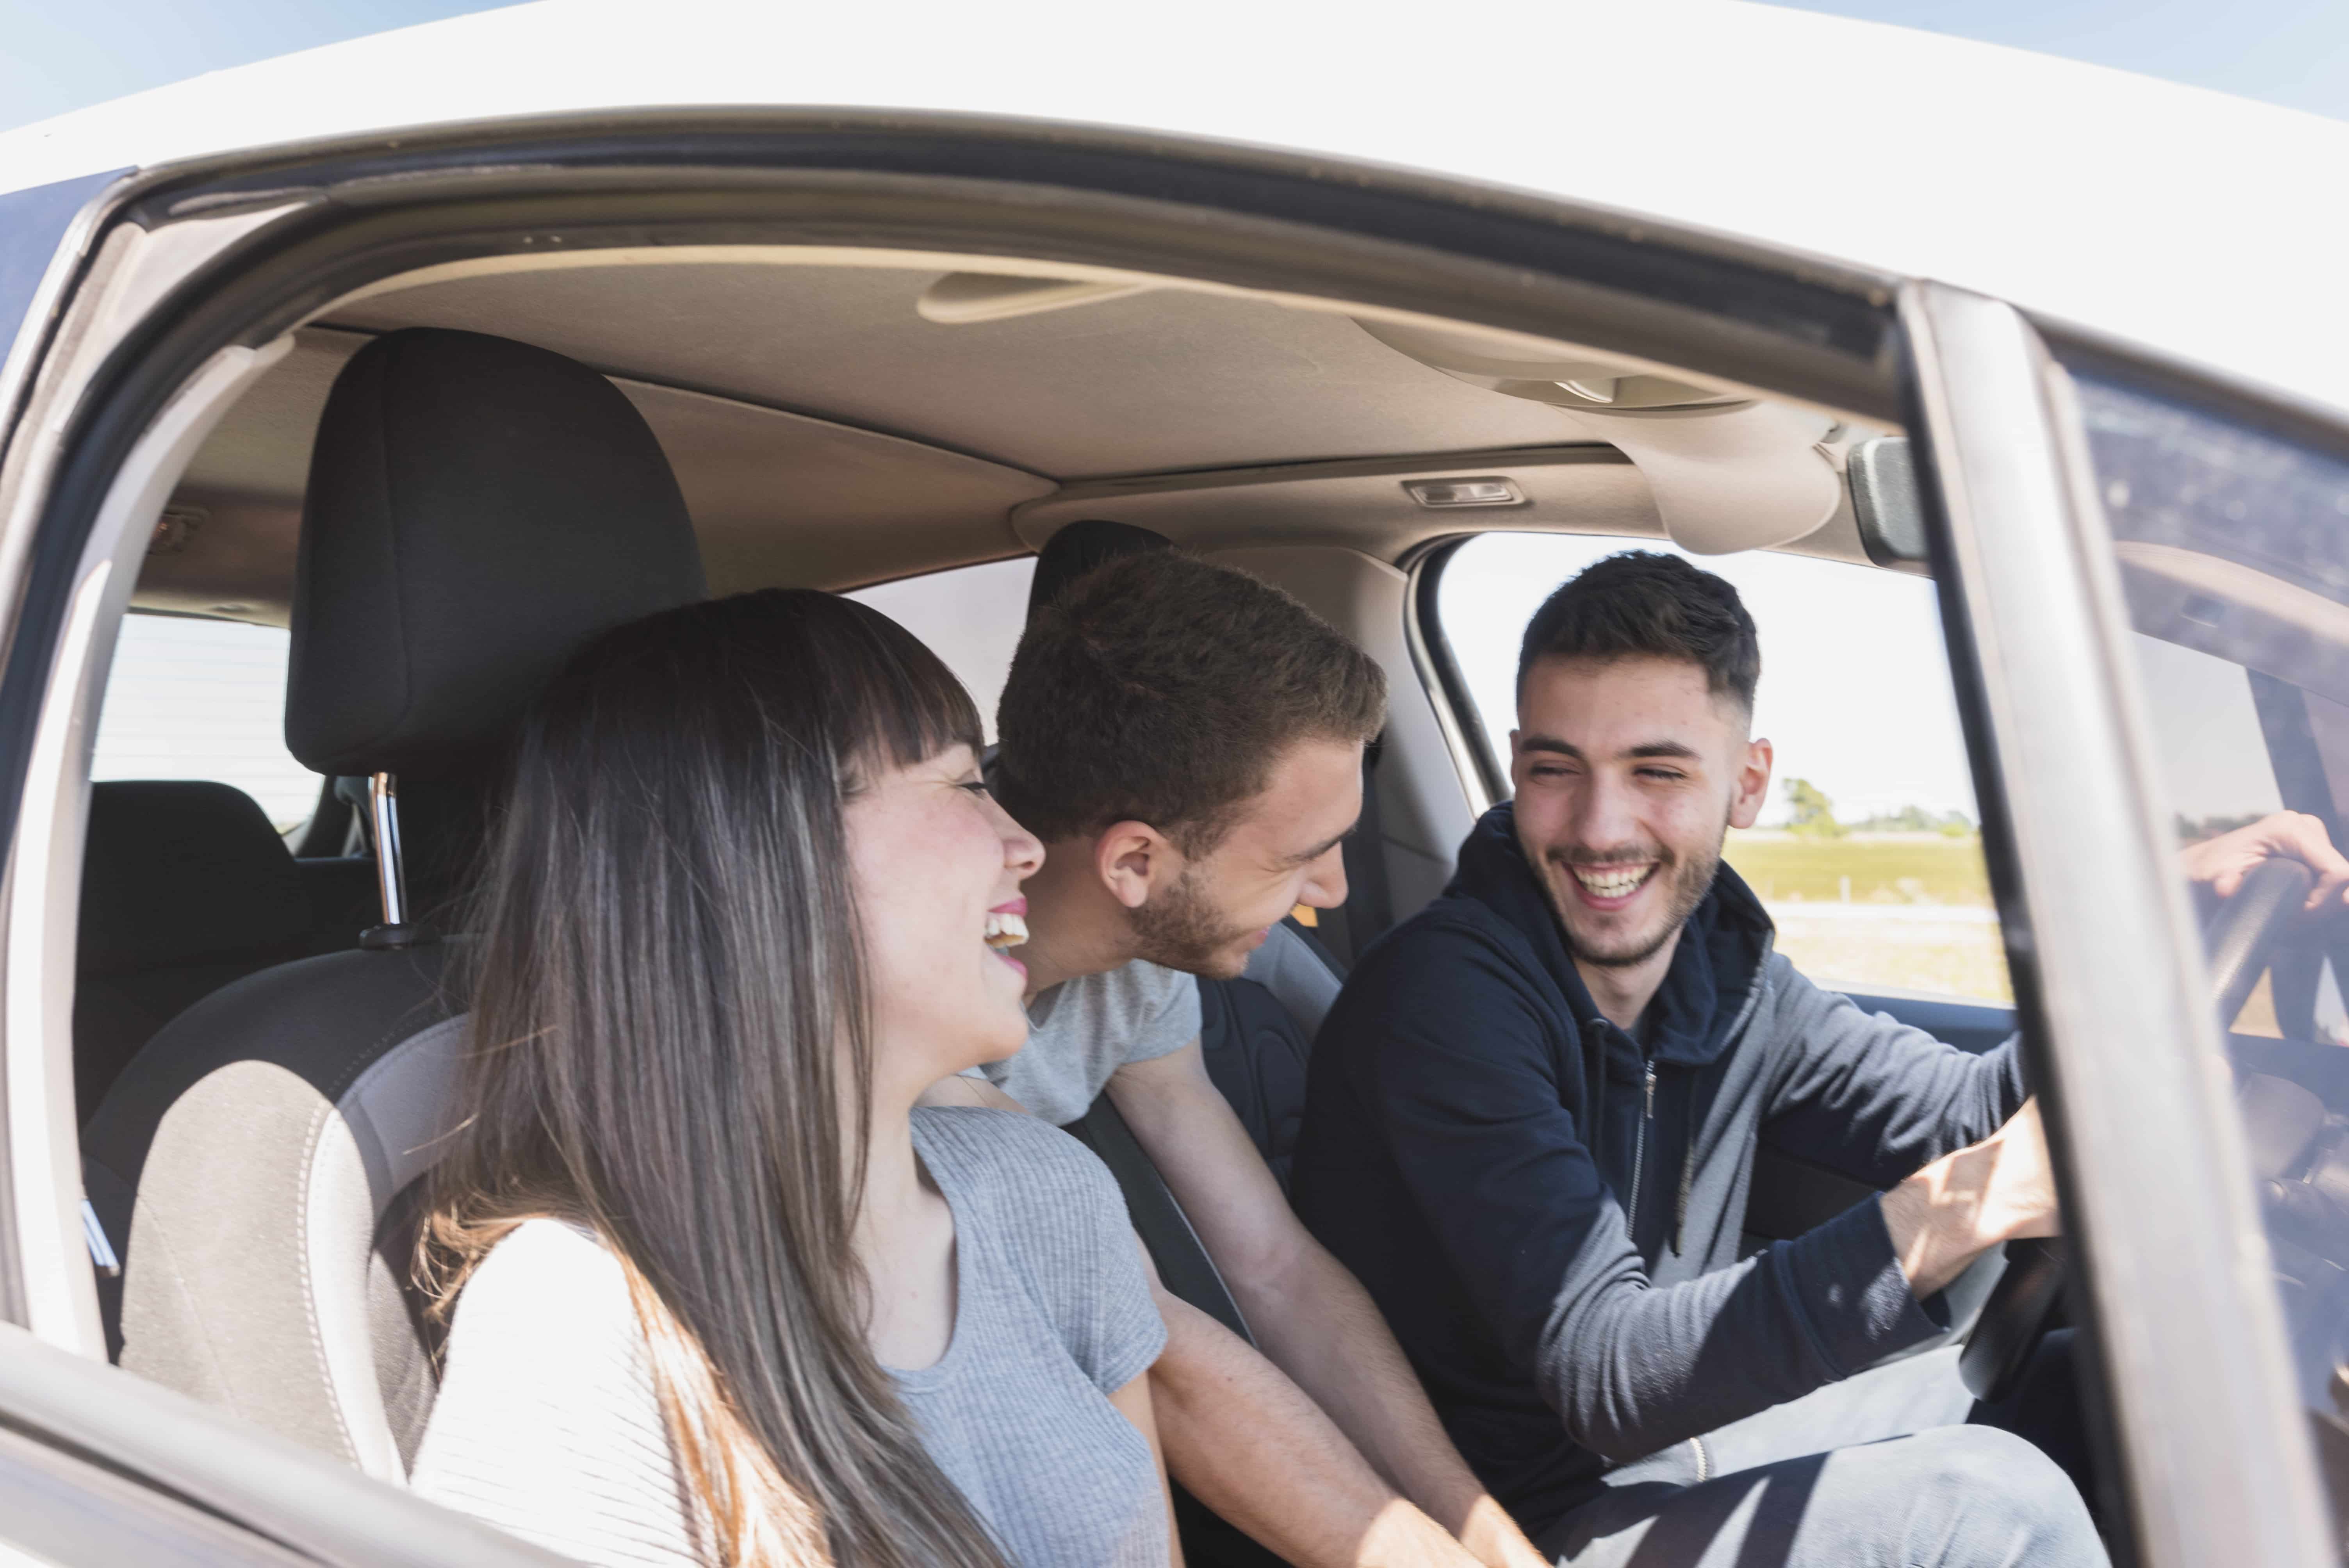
x=1883 y=868
x=1905 y=876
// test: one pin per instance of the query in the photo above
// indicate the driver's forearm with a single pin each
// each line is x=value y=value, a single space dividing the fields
x=1256 y=1451
x=1317 y=1325
x=1944 y=1217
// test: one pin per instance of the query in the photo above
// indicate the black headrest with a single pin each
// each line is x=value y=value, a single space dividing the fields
x=1078 y=548
x=182 y=870
x=477 y=509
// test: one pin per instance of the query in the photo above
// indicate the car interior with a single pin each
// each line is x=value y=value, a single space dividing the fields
x=441 y=485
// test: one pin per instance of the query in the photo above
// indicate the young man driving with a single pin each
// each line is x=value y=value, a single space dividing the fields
x=1187 y=742
x=1532 y=1117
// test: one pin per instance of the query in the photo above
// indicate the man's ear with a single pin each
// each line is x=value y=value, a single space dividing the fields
x=1751 y=789
x=1133 y=860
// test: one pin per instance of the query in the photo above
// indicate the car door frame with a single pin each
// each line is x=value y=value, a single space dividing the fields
x=2107 y=960
x=228 y=253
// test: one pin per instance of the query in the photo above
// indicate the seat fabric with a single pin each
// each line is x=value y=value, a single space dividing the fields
x=477 y=509
x=242 y=1167
x=1257 y=1034
x=185 y=886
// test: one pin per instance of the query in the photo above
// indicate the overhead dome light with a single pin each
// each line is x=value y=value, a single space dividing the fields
x=1442 y=493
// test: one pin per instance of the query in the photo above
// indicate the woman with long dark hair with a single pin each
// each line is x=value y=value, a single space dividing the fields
x=727 y=1297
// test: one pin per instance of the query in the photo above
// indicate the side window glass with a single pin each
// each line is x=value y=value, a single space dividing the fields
x=2231 y=544
x=970 y=616
x=1869 y=855
x=193 y=698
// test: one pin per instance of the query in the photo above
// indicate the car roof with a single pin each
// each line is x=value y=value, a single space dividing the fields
x=2194 y=224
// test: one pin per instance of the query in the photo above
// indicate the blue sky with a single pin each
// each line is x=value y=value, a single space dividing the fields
x=56 y=55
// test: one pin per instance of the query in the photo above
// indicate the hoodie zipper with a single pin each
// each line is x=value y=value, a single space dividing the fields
x=1640 y=1154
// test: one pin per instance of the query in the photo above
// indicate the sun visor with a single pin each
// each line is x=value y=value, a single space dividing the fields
x=1728 y=471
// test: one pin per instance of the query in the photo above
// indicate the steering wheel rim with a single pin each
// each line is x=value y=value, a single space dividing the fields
x=2240 y=938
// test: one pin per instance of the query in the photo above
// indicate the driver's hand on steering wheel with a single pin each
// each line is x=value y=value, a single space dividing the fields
x=2221 y=863
x=1967 y=1202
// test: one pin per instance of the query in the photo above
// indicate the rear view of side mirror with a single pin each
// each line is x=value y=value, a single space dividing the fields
x=1885 y=503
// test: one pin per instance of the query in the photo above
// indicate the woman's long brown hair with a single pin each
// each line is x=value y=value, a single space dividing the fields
x=668 y=1015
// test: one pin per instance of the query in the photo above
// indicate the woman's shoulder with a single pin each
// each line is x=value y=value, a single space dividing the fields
x=1006 y=1154
x=548 y=1292
x=548 y=1423
x=547 y=1257
x=1048 y=1208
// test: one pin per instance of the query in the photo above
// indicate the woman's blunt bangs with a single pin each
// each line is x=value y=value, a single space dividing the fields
x=903 y=705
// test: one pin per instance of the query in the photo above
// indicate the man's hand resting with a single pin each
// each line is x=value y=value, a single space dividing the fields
x=2221 y=863
x=1964 y=1204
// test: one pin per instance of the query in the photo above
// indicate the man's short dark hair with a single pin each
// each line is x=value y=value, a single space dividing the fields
x=1161 y=689
x=1643 y=604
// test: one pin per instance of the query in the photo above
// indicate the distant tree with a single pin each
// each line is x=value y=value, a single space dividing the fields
x=1915 y=819
x=1810 y=811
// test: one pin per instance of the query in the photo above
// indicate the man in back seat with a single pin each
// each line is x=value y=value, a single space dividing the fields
x=1187 y=742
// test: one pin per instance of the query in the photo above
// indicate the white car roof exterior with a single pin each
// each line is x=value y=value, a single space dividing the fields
x=2207 y=227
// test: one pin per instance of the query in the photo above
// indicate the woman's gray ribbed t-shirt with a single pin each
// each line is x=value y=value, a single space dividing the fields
x=548 y=1427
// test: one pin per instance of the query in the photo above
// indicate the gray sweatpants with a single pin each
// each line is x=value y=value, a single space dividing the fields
x=1876 y=1471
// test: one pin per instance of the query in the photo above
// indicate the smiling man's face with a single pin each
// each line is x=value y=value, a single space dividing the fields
x=1629 y=773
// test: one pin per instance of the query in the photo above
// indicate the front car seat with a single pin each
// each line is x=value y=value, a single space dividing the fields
x=476 y=510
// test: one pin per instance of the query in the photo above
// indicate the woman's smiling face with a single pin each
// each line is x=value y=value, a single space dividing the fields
x=936 y=867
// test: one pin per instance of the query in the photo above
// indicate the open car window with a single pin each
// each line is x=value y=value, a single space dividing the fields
x=194 y=699
x=1869 y=855
x=971 y=618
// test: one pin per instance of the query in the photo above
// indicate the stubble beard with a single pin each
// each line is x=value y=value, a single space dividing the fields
x=1689 y=880
x=1181 y=929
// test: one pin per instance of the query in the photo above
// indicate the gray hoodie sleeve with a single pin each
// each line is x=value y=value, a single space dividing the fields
x=1458 y=1069
x=1866 y=1095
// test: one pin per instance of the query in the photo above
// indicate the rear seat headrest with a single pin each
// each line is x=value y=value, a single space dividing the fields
x=1080 y=547
x=184 y=871
x=477 y=509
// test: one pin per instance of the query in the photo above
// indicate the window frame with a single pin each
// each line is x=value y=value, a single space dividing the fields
x=1485 y=771
x=2187 y=1337
x=256 y=242
x=1482 y=777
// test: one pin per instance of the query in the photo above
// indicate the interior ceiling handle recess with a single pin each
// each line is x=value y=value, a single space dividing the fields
x=1728 y=471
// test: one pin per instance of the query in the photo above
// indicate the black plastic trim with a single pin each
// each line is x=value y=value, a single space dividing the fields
x=1813 y=299
x=1450 y=687
x=2204 y=388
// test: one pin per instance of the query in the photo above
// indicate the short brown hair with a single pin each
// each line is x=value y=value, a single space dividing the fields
x=1644 y=603
x=1161 y=689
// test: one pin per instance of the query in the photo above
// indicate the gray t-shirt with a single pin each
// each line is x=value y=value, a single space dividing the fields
x=1084 y=1029
x=548 y=1426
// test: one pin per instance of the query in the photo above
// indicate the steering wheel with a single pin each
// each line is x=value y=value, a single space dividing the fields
x=2240 y=939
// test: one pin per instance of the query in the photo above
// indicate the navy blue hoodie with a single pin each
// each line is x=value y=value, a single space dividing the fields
x=1550 y=1214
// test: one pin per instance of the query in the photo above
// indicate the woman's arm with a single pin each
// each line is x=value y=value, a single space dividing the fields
x=1133 y=1402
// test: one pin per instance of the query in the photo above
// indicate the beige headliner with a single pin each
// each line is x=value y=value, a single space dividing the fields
x=825 y=434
